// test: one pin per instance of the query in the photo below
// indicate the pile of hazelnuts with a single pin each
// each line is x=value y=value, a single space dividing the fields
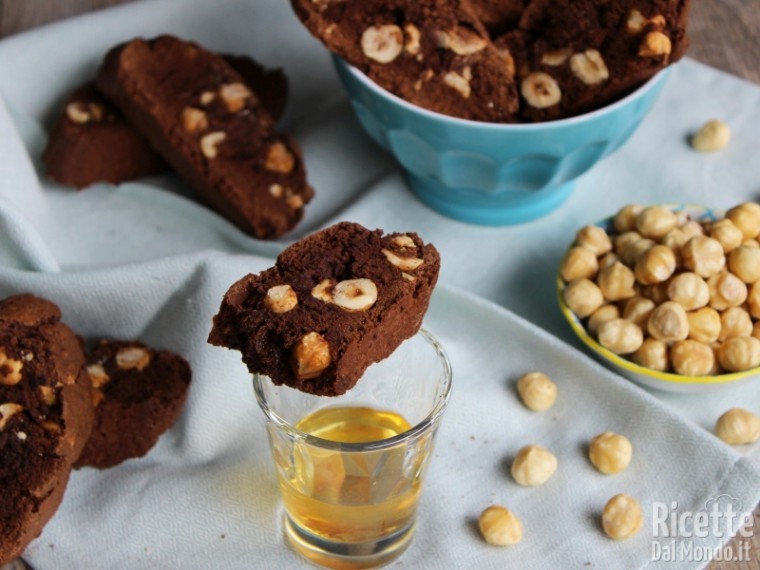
x=669 y=292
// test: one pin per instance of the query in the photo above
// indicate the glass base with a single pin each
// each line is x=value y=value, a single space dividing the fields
x=343 y=555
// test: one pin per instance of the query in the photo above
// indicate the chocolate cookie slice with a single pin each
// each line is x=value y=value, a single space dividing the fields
x=138 y=394
x=45 y=416
x=334 y=303
x=196 y=110
x=433 y=53
x=92 y=142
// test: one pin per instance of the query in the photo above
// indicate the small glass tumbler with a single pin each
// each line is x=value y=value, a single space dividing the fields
x=351 y=468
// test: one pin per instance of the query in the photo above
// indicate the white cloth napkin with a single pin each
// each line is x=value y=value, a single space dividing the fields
x=144 y=260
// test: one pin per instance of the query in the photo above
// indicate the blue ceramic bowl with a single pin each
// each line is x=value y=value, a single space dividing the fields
x=490 y=173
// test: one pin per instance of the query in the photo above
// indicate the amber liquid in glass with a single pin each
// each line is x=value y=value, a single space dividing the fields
x=349 y=496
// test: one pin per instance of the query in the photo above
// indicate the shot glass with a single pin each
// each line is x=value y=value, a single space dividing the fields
x=351 y=468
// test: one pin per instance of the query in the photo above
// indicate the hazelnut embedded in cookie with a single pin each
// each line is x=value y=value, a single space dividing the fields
x=279 y=159
x=280 y=299
x=10 y=370
x=211 y=142
x=234 y=96
x=382 y=44
x=540 y=90
x=403 y=263
x=194 y=120
x=311 y=356
x=355 y=294
x=7 y=411
x=132 y=357
x=461 y=40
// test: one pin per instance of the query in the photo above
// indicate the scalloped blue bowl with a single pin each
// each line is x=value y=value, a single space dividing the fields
x=492 y=173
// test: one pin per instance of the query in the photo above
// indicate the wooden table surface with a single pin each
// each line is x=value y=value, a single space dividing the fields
x=724 y=34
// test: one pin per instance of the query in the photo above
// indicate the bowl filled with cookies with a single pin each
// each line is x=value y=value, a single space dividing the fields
x=669 y=295
x=493 y=113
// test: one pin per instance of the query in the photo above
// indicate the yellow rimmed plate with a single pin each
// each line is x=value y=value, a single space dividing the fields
x=646 y=376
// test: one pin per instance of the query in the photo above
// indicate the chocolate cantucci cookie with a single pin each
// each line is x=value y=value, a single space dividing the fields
x=92 y=142
x=573 y=56
x=45 y=416
x=334 y=303
x=138 y=394
x=196 y=110
x=433 y=53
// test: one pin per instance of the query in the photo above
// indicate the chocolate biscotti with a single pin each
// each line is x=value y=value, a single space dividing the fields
x=46 y=416
x=334 y=303
x=196 y=110
x=91 y=142
x=433 y=53
x=574 y=56
x=138 y=394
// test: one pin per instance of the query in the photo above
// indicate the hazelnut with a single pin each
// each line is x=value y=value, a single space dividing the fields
x=277 y=190
x=294 y=201
x=80 y=112
x=382 y=44
x=595 y=239
x=726 y=232
x=655 y=265
x=622 y=517
x=600 y=316
x=403 y=263
x=323 y=290
x=413 y=36
x=656 y=221
x=753 y=300
x=630 y=255
x=499 y=526
x=461 y=40
x=10 y=370
x=726 y=290
x=207 y=97
x=556 y=57
x=132 y=357
x=738 y=426
x=714 y=135
x=47 y=395
x=692 y=358
x=744 y=262
x=704 y=325
x=610 y=452
x=540 y=90
x=280 y=299
x=194 y=120
x=354 y=295
x=583 y=297
x=703 y=255
x=625 y=219
x=533 y=465
x=234 y=96
x=655 y=44
x=689 y=290
x=668 y=322
x=616 y=282
x=621 y=336
x=404 y=242
x=607 y=259
x=210 y=143
x=459 y=83
x=735 y=322
x=579 y=263
x=589 y=67
x=537 y=391
x=625 y=240
x=97 y=374
x=311 y=356
x=509 y=61
x=653 y=354
x=739 y=353
x=279 y=159
x=7 y=411
x=637 y=310
x=635 y=23
x=746 y=217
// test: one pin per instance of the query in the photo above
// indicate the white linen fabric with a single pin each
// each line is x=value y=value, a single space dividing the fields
x=144 y=260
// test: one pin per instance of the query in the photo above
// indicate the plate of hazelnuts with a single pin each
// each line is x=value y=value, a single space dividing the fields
x=669 y=294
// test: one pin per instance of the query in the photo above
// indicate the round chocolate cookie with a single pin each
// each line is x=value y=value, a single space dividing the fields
x=45 y=416
x=138 y=393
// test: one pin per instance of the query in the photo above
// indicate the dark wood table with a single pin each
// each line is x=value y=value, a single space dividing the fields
x=724 y=34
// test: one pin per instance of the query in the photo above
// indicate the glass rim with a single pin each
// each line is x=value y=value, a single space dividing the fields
x=420 y=427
